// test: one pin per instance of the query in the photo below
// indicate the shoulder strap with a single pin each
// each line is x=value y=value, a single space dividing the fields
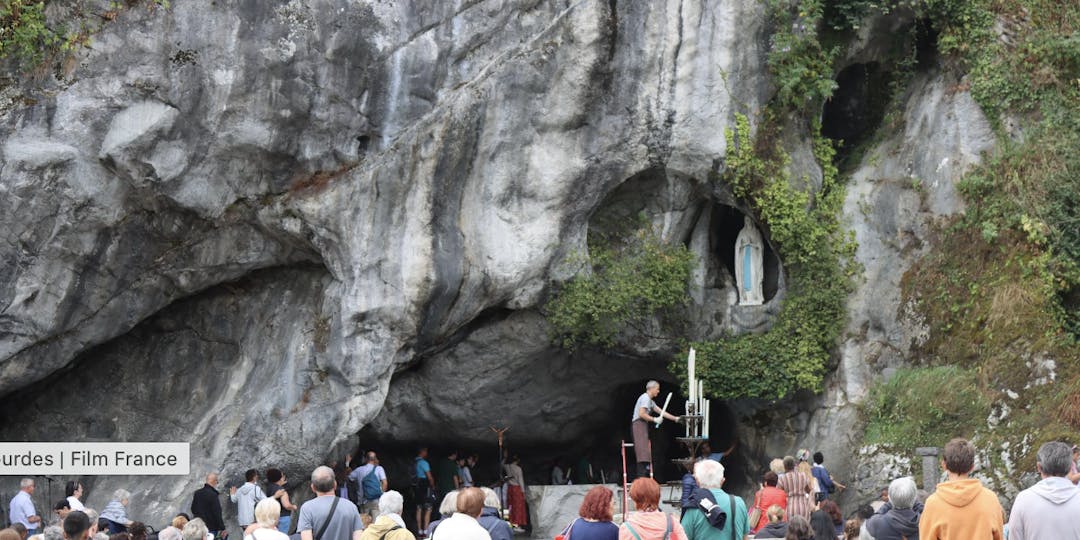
x=388 y=531
x=568 y=529
x=333 y=507
x=667 y=526
x=731 y=514
x=632 y=531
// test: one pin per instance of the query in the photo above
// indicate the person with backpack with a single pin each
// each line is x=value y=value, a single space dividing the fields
x=423 y=491
x=714 y=514
x=649 y=522
x=246 y=497
x=370 y=482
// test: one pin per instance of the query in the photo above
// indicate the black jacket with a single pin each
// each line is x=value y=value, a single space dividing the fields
x=774 y=529
x=206 y=504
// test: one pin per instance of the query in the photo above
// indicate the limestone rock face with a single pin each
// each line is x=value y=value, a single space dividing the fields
x=378 y=176
x=232 y=223
x=204 y=372
x=903 y=186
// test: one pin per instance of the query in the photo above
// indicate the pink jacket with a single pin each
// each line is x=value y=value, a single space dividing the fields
x=651 y=526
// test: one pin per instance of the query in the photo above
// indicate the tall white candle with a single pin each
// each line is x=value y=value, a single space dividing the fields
x=706 y=405
x=691 y=376
x=687 y=424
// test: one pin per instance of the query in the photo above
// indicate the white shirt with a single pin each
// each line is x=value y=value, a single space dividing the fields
x=266 y=534
x=75 y=503
x=460 y=527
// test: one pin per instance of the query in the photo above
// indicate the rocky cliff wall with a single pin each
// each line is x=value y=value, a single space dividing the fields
x=280 y=204
x=260 y=227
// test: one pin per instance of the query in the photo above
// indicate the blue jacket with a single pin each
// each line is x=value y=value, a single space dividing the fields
x=823 y=480
x=688 y=487
x=496 y=526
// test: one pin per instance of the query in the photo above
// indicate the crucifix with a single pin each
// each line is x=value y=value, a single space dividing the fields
x=499 y=433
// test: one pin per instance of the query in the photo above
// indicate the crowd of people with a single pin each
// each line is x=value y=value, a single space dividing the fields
x=794 y=502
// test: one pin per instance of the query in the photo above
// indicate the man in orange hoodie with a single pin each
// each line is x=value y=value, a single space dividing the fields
x=961 y=508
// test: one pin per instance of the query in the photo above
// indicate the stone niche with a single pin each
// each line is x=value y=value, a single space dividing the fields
x=708 y=220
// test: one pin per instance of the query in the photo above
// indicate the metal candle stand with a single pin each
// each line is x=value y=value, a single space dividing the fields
x=696 y=417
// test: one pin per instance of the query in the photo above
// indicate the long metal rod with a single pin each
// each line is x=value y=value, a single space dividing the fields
x=622 y=450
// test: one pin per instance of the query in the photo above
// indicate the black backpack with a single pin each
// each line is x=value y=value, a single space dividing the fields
x=703 y=499
x=352 y=489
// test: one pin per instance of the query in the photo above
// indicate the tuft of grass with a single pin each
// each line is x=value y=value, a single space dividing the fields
x=925 y=407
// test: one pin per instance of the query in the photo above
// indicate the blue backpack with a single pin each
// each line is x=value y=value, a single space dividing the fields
x=372 y=486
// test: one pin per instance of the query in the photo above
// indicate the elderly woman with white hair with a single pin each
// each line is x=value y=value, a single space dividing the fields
x=898 y=518
x=448 y=507
x=195 y=530
x=389 y=525
x=267 y=512
x=116 y=512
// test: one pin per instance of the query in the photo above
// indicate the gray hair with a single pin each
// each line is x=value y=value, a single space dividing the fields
x=195 y=530
x=121 y=495
x=267 y=512
x=449 y=503
x=322 y=479
x=902 y=493
x=652 y=384
x=391 y=502
x=53 y=532
x=92 y=514
x=491 y=498
x=1055 y=458
x=170 y=533
x=25 y=483
x=709 y=474
x=101 y=535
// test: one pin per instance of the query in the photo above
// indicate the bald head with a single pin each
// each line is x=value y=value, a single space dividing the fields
x=322 y=480
x=212 y=479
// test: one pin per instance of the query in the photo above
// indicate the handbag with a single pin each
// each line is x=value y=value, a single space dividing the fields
x=755 y=514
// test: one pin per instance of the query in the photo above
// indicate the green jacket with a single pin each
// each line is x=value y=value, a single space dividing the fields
x=698 y=527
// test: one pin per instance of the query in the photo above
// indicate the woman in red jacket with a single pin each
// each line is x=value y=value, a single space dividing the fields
x=767 y=496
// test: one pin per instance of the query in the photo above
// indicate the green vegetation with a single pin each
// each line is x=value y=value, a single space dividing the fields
x=24 y=35
x=801 y=66
x=1000 y=289
x=29 y=40
x=635 y=276
x=923 y=407
x=794 y=353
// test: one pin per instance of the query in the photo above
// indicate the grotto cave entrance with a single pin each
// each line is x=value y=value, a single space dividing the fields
x=599 y=444
x=857 y=106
